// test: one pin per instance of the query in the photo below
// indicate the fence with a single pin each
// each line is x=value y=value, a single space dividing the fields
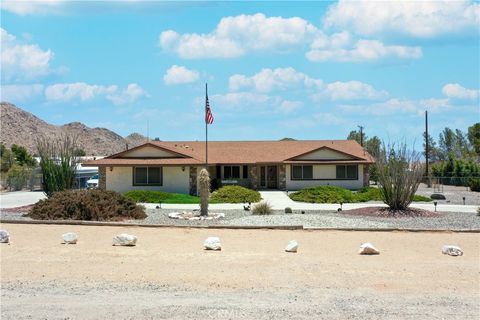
x=438 y=182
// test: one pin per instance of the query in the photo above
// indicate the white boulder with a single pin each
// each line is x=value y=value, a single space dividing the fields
x=452 y=250
x=212 y=243
x=175 y=215
x=124 y=240
x=292 y=246
x=69 y=238
x=368 y=248
x=4 y=236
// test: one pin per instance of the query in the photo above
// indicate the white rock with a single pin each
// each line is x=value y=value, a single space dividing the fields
x=69 y=238
x=124 y=240
x=292 y=246
x=368 y=248
x=4 y=236
x=452 y=250
x=175 y=215
x=212 y=243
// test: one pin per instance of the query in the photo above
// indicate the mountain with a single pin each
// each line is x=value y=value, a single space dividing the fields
x=20 y=127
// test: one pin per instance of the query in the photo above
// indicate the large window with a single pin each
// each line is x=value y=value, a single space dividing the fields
x=145 y=176
x=231 y=172
x=347 y=172
x=302 y=172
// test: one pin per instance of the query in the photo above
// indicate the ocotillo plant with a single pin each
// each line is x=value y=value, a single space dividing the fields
x=204 y=184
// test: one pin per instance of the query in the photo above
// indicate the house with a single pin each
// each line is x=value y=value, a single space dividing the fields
x=284 y=165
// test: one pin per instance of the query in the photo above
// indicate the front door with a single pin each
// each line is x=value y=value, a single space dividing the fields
x=269 y=177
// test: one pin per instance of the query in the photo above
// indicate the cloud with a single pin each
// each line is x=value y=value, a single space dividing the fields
x=350 y=90
x=399 y=106
x=20 y=92
x=288 y=106
x=233 y=100
x=418 y=19
x=454 y=90
x=180 y=75
x=268 y=80
x=235 y=36
x=63 y=92
x=21 y=61
x=31 y=7
x=340 y=48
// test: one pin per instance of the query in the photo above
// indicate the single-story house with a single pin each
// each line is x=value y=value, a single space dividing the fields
x=284 y=165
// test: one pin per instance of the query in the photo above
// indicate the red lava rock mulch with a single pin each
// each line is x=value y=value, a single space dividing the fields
x=22 y=209
x=387 y=213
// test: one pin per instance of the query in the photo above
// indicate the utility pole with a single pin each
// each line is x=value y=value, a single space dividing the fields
x=426 y=149
x=361 y=135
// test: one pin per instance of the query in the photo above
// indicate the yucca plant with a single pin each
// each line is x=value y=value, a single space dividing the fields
x=262 y=208
x=204 y=187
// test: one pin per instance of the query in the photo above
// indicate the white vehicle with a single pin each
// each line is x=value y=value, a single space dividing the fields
x=92 y=183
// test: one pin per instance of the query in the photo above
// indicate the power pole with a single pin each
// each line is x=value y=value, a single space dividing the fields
x=426 y=149
x=361 y=135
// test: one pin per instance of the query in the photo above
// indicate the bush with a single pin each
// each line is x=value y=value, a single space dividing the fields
x=323 y=194
x=419 y=198
x=95 y=205
x=149 y=196
x=474 y=184
x=262 y=208
x=17 y=177
x=235 y=194
x=288 y=210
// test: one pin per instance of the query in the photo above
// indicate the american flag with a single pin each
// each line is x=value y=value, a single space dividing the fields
x=208 y=112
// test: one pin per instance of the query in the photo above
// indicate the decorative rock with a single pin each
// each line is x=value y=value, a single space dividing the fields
x=4 y=236
x=292 y=246
x=212 y=243
x=124 y=240
x=452 y=250
x=437 y=196
x=70 y=238
x=368 y=248
x=175 y=215
x=195 y=215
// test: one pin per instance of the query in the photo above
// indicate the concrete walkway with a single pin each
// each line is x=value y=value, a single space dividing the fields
x=20 y=198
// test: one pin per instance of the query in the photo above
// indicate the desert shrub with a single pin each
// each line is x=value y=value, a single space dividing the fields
x=235 y=194
x=17 y=177
x=94 y=204
x=474 y=184
x=262 y=208
x=323 y=194
x=150 y=196
x=288 y=210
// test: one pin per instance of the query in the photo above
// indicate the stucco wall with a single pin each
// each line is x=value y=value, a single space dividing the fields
x=324 y=172
x=148 y=152
x=174 y=180
x=324 y=154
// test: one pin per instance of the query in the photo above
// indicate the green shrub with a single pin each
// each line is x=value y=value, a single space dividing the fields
x=323 y=194
x=474 y=184
x=95 y=205
x=149 y=196
x=262 y=208
x=17 y=177
x=419 y=198
x=235 y=194
x=288 y=210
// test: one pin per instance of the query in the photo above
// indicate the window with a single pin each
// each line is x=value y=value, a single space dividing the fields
x=143 y=176
x=302 y=172
x=245 y=172
x=231 y=172
x=347 y=172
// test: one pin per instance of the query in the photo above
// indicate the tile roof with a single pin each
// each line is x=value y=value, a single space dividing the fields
x=241 y=152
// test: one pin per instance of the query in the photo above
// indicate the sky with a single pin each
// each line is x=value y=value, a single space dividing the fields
x=305 y=70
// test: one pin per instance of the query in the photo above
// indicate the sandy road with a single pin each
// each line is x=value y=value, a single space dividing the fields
x=168 y=275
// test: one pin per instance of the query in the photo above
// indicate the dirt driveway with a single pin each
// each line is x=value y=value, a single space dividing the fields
x=168 y=275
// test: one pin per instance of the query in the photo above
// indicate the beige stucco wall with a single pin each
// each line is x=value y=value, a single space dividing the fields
x=324 y=172
x=148 y=152
x=324 y=154
x=120 y=179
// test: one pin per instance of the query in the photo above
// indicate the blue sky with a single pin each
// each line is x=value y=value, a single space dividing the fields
x=307 y=70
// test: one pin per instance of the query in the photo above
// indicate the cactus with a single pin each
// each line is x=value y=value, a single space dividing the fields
x=204 y=184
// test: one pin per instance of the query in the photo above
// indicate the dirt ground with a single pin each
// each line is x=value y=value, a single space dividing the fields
x=168 y=275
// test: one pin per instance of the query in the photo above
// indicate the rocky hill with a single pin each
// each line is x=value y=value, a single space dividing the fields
x=20 y=127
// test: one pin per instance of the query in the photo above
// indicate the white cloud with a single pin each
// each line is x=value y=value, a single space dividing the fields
x=274 y=79
x=420 y=19
x=342 y=49
x=234 y=36
x=63 y=92
x=240 y=99
x=288 y=106
x=454 y=90
x=21 y=61
x=397 y=106
x=28 y=7
x=180 y=75
x=20 y=92
x=350 y=90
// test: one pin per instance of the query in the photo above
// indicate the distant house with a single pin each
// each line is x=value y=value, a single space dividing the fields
x=283 y=165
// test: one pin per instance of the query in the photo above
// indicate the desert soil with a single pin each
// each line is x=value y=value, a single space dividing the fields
x=169 y=276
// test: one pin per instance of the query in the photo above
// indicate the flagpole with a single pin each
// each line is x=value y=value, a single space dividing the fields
x=206 y=128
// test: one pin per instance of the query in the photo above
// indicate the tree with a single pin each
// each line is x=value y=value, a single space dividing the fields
x=446 y=142
x=433 y=152
x=6 y=158
x=474 y=137
x=204 y=182
x=399 y=174
x=355 y=135
x=22 y=156
x=80 y=152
